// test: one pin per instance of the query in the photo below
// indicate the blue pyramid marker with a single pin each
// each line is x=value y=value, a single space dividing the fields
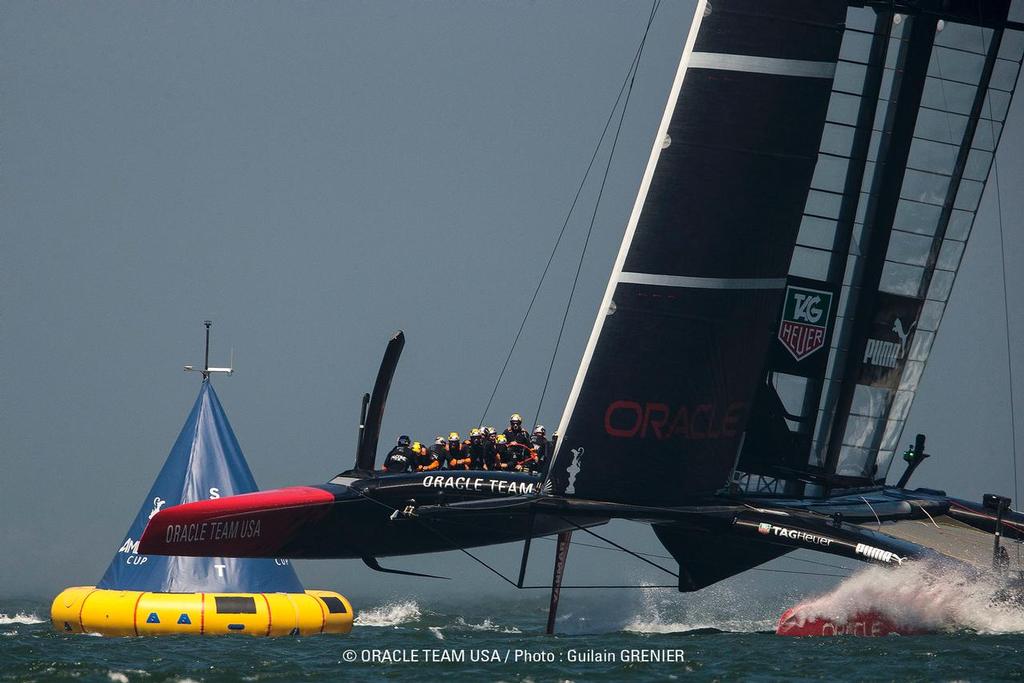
x=205 y=462
x=152 y=618
x=183 y=619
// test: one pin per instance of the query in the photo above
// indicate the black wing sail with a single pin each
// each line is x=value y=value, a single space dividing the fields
x=678 y=349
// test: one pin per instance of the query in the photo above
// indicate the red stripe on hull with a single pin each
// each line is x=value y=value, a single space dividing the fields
x=863 y=624
x=248 y=525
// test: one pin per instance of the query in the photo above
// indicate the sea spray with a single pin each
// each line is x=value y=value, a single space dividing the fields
x=919 y=598
x=717 y=608
x=485 y=625
x=20 y=618
x=390 y=614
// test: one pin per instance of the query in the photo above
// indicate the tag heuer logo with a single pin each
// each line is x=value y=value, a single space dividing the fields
x=764 y=528
x=804 y=323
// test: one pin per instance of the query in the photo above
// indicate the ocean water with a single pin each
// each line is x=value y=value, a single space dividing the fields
x=603 y=635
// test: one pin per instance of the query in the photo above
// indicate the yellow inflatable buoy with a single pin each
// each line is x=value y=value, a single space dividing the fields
x=145 y=595
x=86 y=609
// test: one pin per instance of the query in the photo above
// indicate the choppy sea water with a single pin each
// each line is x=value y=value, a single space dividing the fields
x=724 y=637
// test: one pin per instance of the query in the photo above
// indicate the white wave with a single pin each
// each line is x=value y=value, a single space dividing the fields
x=436 y=630
x=117 y=677
x=738 y=626
x=8 y=633
x=714 y=608
x=486 y=625
x=390 y=614
x=918 y=597
x=20 y=618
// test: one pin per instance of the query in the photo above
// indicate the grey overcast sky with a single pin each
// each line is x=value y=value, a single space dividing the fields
x=313 y=176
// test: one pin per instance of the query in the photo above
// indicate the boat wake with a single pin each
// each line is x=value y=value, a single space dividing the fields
x=391 y=614
x=713 y=611
x=20 y=618
x=918 y=601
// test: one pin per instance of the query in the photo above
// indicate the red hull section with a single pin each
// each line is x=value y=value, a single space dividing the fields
x=250 y=525
x=863 y=624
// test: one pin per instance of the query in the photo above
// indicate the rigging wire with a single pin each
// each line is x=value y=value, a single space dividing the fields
x=630 y=73
x=597 y=206
x=1006 y=316
x=455 y=546
x=1002 y=263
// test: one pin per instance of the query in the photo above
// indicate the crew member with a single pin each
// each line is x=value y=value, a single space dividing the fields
x=541 y=446
x=491 y=460
x=439 y=450
x=457 y=458
x=503 y=459
x=476 y=449
x=425 y=460
x=400 y=458
x=526 y=458
x=515 y=432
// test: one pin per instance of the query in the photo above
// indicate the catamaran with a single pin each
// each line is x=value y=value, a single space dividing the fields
x=794 y=242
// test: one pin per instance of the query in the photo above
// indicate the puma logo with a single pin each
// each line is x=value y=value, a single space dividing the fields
x=897 y=327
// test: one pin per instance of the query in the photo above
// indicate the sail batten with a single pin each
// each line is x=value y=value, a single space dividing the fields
x=701 y=282
x=763 y=65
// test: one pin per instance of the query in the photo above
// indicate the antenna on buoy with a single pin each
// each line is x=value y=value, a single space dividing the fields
x=207 y=370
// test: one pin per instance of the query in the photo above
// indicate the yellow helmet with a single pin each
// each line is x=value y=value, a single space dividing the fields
x=453 y=436
x=416 y=445
x=474 y=432
x=516 y=417
x=501 y=438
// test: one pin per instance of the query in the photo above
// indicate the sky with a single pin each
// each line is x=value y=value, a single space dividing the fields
x=312 y=177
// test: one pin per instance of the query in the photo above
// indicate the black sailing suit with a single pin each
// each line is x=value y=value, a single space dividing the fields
x=477 y=452
x=399 y=459
x=543 y=449
x=432 y=460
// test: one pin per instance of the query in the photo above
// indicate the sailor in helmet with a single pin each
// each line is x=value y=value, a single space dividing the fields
x=476 y=449
x=541 y=446
x=457 y=458
x=400 y=458
x=502 y=458
x=515 y=432
x=425 y=459
x=490 y=444
x=439 y=450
